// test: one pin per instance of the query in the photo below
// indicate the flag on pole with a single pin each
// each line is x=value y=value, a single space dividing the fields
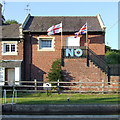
x=83 y=30
x=55 y=29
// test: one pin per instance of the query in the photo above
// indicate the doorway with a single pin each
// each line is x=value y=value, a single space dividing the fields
x=9 y=76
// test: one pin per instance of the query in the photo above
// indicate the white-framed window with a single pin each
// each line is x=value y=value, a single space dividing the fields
x=9 y=48
x=46 y=44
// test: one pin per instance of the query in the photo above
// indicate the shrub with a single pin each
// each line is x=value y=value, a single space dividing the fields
x=112 y=57
x=56 y=71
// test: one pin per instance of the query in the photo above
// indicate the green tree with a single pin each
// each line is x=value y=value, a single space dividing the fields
x=11 y=22
x=107 y=48
x=112 y=57
x=56 y=71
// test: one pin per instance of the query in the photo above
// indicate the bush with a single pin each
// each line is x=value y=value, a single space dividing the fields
x=56 y=71
x=8 y=22
x=112 y=57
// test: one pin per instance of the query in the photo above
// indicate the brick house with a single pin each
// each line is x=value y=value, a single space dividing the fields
x=39 y=59
x=11 y=53
x=27 y=52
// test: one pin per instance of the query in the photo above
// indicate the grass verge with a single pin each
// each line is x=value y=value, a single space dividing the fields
x=54 y=98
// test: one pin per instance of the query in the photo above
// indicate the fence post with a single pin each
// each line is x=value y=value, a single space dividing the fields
x=4 y=96
x=35 y=84
x=102 y=86
x=80 y=85
x=108 y=75
x=13 y=96
x=58 y=85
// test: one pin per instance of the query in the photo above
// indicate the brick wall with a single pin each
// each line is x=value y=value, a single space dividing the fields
x=77 y=70
x=38 y=63
x=42 y=60
x=95 y=42
x=19 y=56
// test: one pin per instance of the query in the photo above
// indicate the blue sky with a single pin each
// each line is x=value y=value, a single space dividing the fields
x=107 y=10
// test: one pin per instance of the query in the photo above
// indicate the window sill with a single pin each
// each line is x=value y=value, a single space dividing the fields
x=44 y=49
x=9 y=53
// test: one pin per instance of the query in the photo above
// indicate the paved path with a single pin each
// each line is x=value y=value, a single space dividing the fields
x=61 y=117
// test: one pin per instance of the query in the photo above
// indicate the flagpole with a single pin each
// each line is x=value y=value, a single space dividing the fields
x=61 y=37
x=87 y=53
x=86 y=37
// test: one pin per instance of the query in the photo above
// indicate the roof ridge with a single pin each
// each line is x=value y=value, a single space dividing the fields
x=42 y=23
x=63 y=16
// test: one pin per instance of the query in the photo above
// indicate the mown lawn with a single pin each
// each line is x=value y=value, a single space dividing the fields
x=54 y=98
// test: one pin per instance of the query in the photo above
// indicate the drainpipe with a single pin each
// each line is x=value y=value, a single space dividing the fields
x=30 y=57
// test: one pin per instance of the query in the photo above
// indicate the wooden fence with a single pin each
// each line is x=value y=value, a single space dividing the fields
x=80 y=87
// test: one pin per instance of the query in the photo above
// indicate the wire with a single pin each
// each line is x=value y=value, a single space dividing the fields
x=113 y=25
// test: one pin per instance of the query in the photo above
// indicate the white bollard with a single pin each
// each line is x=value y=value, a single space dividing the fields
x=4 y=97
x=13 y=97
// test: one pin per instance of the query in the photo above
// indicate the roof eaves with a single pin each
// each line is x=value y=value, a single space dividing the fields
x=26 y=31
x=10 y=38
x=103 y=27
x=23 y=25
x=25 y=21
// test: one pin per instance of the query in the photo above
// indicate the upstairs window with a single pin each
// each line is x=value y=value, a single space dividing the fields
x=46 y=44
x=9 y=48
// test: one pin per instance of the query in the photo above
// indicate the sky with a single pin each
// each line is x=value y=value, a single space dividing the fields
x=107 y=10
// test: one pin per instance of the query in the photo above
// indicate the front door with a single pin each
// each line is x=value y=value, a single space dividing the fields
x=10 y=74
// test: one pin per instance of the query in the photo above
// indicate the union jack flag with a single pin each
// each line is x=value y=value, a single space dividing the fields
x=83 y=30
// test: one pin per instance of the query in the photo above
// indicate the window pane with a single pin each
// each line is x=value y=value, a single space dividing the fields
x=7 y=49
x=12 y=48
x=46 y=43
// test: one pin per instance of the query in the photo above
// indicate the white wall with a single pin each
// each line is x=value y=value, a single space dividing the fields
x=17 y=75
x=2 y=77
